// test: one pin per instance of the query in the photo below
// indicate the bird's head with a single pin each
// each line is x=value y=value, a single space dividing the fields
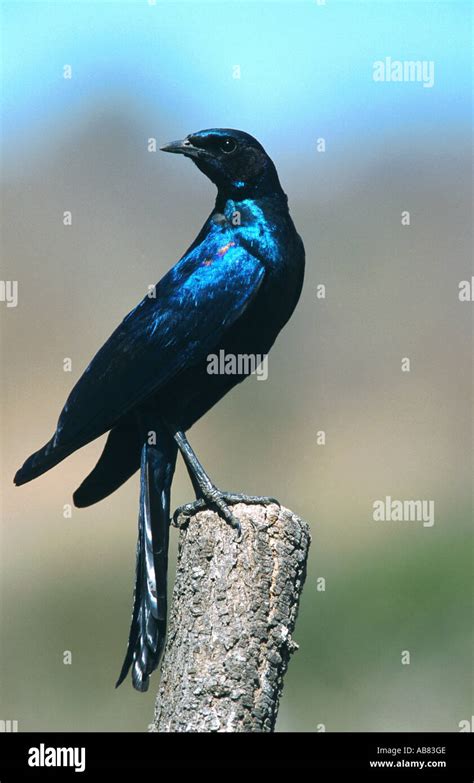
x=232 y=159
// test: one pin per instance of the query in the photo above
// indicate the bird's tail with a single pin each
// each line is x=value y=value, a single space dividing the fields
x=148 y=625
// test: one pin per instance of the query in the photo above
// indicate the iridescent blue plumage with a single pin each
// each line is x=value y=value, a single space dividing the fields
x=233 y=290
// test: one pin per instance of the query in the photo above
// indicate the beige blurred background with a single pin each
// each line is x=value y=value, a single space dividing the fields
x=392 y=292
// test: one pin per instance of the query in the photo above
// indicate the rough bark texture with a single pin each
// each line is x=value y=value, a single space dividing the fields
x=233 y=611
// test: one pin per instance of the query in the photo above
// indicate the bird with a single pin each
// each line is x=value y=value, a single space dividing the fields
x=232 y=291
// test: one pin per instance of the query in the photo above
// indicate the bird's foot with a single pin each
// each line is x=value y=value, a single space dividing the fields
x=220 y=501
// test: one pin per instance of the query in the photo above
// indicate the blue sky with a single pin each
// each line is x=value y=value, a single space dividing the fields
x=304 y=67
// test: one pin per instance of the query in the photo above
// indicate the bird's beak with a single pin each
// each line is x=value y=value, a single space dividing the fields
x=183 y=147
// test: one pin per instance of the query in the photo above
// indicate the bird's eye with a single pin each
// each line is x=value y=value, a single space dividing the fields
x=228 y=145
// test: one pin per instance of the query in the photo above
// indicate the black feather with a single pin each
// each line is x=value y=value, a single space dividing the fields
x=119 y=460
x=148 y=625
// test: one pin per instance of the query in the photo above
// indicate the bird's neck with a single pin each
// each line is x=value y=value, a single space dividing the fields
x=229 y=199
x=266 y=186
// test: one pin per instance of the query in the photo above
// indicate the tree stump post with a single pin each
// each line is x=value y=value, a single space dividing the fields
x=233 y=611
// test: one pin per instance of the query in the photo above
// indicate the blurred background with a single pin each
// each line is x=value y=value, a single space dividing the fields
x=144 y=70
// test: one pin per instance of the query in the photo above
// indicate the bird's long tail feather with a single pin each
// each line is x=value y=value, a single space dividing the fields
x=148 y=625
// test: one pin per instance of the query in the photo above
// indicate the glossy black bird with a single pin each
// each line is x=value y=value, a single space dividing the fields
x=233 y=290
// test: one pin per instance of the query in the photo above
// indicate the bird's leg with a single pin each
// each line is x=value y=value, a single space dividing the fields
x=207 y=493
x=201 y=481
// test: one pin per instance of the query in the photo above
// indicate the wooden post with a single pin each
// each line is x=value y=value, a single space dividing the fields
x=233 y=612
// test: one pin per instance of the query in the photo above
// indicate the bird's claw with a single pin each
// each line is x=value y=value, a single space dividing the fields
x=188 y=509
x=221 y=502
x=258 y=500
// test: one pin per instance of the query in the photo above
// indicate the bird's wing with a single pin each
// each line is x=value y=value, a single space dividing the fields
x=192 y=306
